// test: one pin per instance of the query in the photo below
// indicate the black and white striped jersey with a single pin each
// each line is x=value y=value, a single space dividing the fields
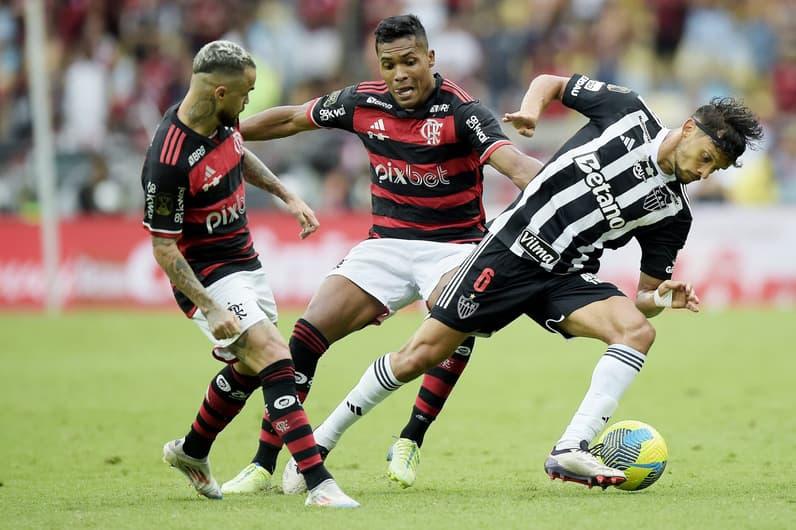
x=601 y=189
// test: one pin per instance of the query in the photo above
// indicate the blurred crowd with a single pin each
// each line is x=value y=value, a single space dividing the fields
x=116 y=65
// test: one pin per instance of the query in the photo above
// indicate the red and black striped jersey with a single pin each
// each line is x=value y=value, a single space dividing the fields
x=426 y=164
x=195 y=193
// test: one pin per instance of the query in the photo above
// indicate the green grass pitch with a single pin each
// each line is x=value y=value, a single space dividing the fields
x=88 y=399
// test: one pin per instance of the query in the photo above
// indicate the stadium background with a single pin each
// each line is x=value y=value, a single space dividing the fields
x=116 y=65
x=88 y=397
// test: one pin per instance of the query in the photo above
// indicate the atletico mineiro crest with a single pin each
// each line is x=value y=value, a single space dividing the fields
x=466 y=307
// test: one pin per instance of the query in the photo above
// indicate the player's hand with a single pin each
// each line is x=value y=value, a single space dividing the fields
x=222 y=323
x=523 y=122
x=683 y=294
x=305 y=216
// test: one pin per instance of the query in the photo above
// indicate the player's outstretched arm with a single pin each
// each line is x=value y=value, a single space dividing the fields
x=653 y=295
x=543 y=89
x=222 y=323
x=277 y=122
x=257 y=174
x=518 y=167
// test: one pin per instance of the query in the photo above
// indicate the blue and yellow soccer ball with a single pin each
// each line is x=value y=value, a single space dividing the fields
x=637 y=449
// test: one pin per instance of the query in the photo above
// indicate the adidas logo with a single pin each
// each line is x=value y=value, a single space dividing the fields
x=210 y=180
x=629 y=142
x=354 y=409
x=377 y=130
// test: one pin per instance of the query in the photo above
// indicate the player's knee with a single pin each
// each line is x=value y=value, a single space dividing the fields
x=258 y=350
x=413 y=360
x=639 y=334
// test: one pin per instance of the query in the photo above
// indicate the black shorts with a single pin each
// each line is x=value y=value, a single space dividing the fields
x=494 y=286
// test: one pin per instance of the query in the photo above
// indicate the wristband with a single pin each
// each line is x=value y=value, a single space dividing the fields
x=662 y=301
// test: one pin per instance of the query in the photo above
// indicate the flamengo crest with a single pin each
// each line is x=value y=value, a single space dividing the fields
x=431 y=131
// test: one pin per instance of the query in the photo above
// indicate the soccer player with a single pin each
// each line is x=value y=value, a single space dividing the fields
x=195 y=210
x=621 y=176
x=427 y=141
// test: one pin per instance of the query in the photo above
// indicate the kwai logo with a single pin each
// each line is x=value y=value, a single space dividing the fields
x=475 y=125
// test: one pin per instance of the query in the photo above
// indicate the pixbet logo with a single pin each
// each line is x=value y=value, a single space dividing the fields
x=228 y=214
x=431 y=130
x=407 y=175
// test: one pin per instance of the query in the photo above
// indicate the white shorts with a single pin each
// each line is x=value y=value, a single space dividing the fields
x=248 y=296
x=397 y=272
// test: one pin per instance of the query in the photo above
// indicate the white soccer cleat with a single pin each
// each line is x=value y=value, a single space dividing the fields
x=293 y=482
x=252 y=479
x=197 y=470
x=329 y=495
x=404 y=457
x=582 y=466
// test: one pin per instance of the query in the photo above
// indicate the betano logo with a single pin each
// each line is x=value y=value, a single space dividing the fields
x=590 y=165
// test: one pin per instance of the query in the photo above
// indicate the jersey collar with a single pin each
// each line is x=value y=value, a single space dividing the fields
x=425 y=107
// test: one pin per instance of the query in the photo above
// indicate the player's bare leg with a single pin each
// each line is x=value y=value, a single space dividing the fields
x=629 y=335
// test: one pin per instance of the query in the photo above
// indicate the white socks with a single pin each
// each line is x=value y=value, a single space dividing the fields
x=615 y=370
x=376 y=384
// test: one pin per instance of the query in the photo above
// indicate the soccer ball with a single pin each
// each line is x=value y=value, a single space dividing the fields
x=637 y=449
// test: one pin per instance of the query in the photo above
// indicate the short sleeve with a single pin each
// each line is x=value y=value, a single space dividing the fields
x=334 y=110
x=660 y=246
x=164 y=199
x=597 y=99
x=476 y=126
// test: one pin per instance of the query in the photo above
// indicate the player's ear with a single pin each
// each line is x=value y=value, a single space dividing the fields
x=220 y=92
x=431 y=58
x=689 y=127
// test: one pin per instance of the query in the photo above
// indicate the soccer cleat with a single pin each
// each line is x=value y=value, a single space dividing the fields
x=253 y=478
x=403 y=458
x=293 y=482
x=197 y=470
x=329 y=495
x=582 y=466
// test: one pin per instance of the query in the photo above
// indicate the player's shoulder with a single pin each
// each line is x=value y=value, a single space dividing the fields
x=172 y=147
x=454 y=94
x=374 y=94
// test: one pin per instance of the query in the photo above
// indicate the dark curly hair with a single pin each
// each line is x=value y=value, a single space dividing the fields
x=394 y=28
x=731 y=126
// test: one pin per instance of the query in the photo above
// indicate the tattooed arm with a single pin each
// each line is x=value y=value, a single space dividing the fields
x=257 y=174
x=222 y=323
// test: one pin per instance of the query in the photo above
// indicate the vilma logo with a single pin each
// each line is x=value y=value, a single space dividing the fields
x=466 y=306
x=284 y=402
x=432 y=131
